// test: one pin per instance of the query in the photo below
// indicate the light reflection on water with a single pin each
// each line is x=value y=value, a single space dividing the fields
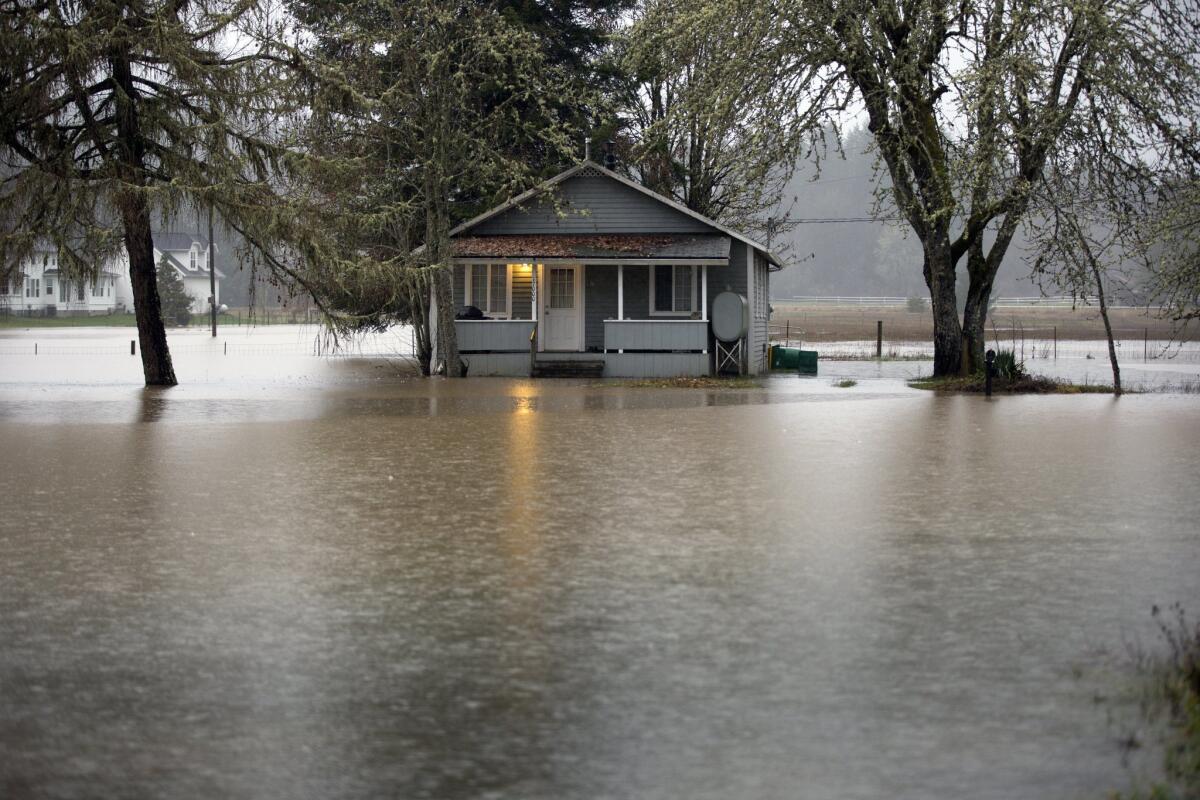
x=353 y=585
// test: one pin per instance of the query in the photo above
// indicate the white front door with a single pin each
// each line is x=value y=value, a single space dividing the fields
x=562 y=308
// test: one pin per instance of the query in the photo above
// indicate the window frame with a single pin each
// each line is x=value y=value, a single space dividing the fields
x=762 y=302
x=469 y=298
x=693 y=300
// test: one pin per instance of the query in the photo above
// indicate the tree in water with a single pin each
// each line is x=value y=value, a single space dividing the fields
x=112 y=113
x=427 y=113
x=967 y=104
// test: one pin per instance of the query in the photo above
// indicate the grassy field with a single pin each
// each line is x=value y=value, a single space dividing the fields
x=812 y=323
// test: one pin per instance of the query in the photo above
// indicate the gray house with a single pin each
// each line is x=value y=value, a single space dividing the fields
x=593 y=274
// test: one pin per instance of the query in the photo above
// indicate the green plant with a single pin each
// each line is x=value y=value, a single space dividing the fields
x=176 y=305
x=1171 y=700
x=916 y=305
x=1008 y=367
x=845 y=384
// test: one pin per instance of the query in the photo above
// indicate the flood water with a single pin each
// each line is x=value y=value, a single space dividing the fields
x=318 y=578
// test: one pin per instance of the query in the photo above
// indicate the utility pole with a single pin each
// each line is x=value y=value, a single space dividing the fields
x=212 y=273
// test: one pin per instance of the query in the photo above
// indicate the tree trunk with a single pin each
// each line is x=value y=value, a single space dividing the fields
x=139 y=243
x=447 y=335
x=947 y=332
x=974 y=329
x=417 y=300
x=152 y=335
x=1112 y=347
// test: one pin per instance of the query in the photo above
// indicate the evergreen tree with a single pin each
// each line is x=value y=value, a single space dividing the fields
x=173 y=298
x=427 y=112
x=111 y=112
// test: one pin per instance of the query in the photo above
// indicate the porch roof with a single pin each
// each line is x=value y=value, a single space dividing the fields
x=598 y=247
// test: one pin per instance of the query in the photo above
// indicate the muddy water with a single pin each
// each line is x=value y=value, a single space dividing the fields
x=354 y=585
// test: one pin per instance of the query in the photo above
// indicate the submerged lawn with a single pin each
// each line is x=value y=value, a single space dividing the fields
x=1027 y=384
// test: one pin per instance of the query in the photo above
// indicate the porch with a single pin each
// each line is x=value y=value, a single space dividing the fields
x=585 y=320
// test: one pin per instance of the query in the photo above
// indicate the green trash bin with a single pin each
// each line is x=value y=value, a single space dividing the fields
x=806 y=362
x=785 y=358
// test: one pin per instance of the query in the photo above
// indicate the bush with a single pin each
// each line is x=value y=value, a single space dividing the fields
x=917 y=305
x=173 y=298
x=1008 y=367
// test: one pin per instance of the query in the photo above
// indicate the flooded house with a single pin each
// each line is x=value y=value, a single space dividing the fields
x=593 y=274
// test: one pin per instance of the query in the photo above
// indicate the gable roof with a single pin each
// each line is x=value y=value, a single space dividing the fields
x=183 y=271
x=543 y=187
x=179 y=241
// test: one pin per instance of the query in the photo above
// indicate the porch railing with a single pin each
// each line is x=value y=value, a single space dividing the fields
x=656 y=335
x=494 y=335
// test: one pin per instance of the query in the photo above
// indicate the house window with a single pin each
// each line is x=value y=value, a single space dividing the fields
x=97 y=289
x=192 y=259
x=487 y=289
x=79 y=292
x=673 y=290
x=761 y=278
x=33 y=287
x=49 y=287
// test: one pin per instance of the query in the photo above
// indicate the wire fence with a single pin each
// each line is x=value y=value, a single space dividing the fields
x=1027 y=343
x=398 y=346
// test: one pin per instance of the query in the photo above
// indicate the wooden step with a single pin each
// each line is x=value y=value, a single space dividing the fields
x=591 y=368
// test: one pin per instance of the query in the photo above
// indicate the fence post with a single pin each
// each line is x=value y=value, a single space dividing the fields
x=132 y=347
x=1145 y=344
x=1056 y=343
x=35 y=348
x=879 y=338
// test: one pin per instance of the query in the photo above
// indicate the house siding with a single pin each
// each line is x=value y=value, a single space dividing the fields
x=760 y=312
x=600 y=302
x=522 y=294
x=458 y=279
x=610 y=207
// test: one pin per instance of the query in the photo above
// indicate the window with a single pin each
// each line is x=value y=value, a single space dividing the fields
x=97 y=289
x=33 y=287
x=487 y=289
x=761 y=278
x=192 y=259
x=79 y=290
x=49 y=287
x=673 y=290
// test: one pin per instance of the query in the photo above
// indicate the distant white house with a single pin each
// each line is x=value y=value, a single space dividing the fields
x=39 y=289
x=189 y=254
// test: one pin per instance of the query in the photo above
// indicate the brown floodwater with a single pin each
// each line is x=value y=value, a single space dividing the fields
x=309 y=578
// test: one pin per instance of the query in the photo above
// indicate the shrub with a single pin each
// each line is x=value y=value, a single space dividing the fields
x=1008 y=367
x=916 y=305
x=174 y=299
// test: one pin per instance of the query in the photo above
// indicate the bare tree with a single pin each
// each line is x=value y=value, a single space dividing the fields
x=968 y=102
